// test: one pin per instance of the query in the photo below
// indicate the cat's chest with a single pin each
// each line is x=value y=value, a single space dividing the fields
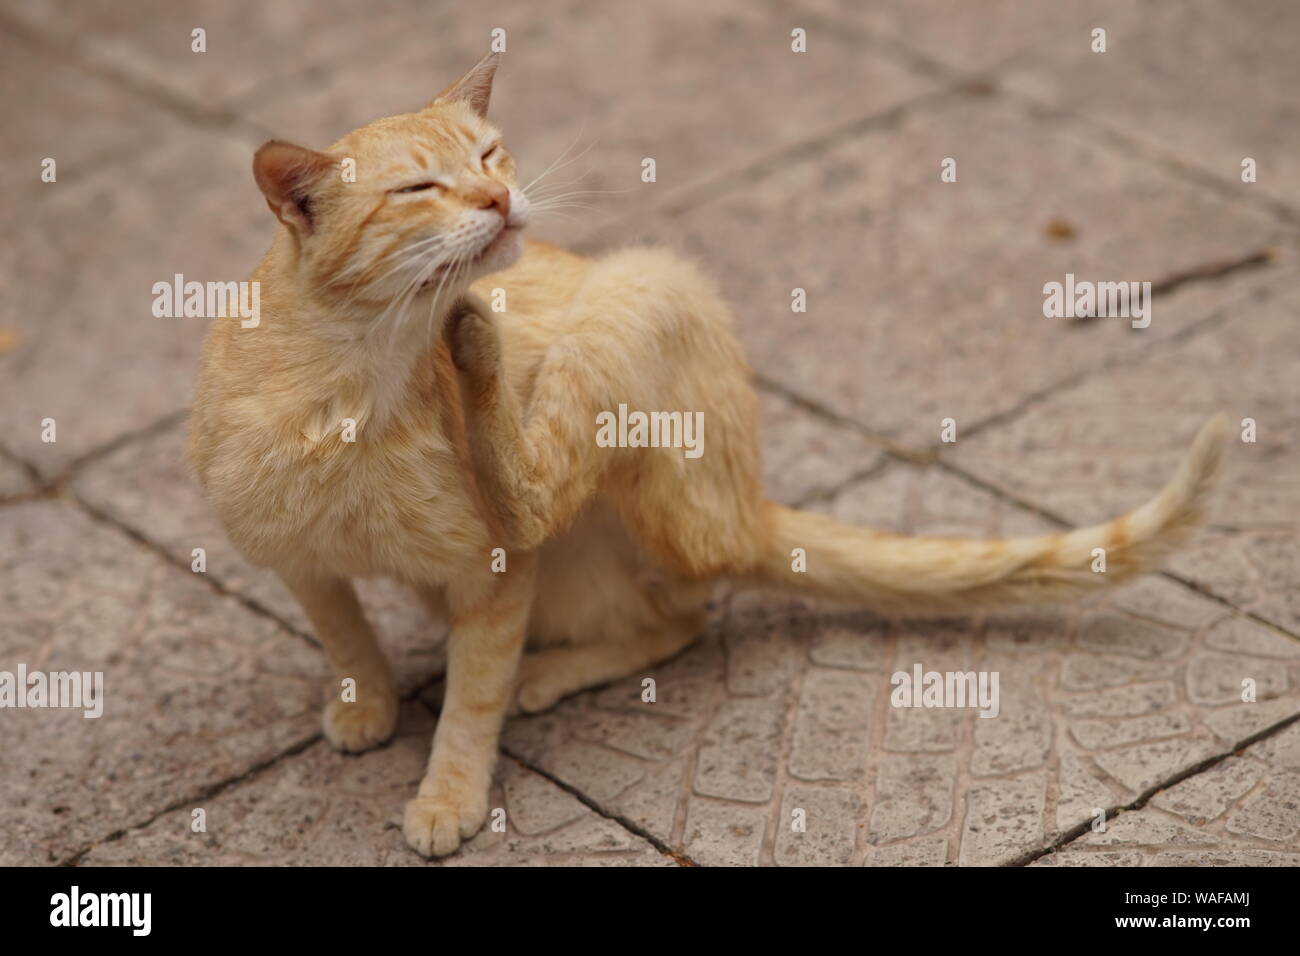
x=397 y=505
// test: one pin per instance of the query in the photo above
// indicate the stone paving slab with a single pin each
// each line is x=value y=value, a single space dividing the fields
x=786 y=707
x=805 y=456
x=253 y=49
x=967 y=37
x=197 y=690
x=925 y=299
x=1085 y=452
x=67 y=116
x=1200 y=86
x=89 y=352
x=635 y=82
x=321 y=808
x=14 y=479
x=1244 y=811
x=1204 y=84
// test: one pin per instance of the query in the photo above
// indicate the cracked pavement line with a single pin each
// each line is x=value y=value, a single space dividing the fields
x=1073 y=834
x=219 y=787
x=186 y=109
x=930 y=454
x=678 y=857
x=203 y=794
x=212 y=580
x=692 y=195
x=434 y=708
x=1060 y=522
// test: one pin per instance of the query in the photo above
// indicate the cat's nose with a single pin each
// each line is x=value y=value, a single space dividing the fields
x=495 y=195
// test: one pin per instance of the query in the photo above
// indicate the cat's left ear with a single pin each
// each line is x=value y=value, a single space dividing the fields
x=474 y=88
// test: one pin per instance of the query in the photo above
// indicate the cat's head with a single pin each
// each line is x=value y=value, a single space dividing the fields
x=428 y=202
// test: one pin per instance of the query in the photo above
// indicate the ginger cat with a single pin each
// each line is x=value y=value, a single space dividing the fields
x=380 y=421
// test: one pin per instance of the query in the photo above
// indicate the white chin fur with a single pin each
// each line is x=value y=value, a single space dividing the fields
x=503 y=256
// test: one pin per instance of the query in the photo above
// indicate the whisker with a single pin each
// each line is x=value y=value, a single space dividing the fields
x=540 y=194
x=424 y=247
x=558 y=215
x=554 y=167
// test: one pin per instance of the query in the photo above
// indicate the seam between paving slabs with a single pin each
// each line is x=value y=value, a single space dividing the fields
x=212 y=580
x=159 y=426
x=1122 y=144
x=692 y=195
x=1207 y=323
x=677 y=856
x=899 y=52
x=1080 y=829
x=59 y=489
x=32 y=476
x=931 y=457
x=205 y=793
x=232 y=118
x=46 y=485
x=1060 y=522
x=229 y=783
x=922 y=455
x=71 y=49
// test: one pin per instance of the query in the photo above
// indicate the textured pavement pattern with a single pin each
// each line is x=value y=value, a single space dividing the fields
x=776 y=170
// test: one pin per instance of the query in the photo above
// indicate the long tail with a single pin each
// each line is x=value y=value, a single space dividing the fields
x=926 y=577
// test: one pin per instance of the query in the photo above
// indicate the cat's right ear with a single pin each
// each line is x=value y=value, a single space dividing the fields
x=288 y=175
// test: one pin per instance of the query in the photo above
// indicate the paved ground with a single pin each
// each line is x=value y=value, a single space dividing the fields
x=777 y=169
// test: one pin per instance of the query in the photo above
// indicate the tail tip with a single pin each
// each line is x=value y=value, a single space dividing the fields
x=1208 y=446
x=1215 y=427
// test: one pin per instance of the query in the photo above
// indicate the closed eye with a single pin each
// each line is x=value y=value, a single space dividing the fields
x=418 y=187
x=488 y=153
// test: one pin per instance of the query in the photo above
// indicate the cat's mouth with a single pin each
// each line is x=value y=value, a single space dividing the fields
x=505 y=235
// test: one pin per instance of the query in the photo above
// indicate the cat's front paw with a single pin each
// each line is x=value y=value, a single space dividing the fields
x=434 y=824
x=472 y=338
x=361 y=724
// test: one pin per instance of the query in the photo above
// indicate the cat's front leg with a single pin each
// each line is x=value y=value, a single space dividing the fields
x=361 y=705
x=535 y=477
x=493 y=419
x=488 y=618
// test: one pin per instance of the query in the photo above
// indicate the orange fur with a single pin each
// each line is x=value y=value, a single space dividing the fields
x=370 y=292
